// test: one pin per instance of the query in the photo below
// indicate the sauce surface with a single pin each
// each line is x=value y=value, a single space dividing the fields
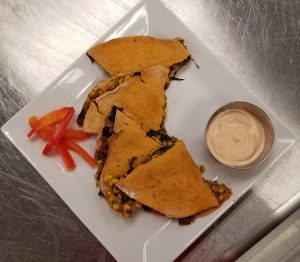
x=235 y=137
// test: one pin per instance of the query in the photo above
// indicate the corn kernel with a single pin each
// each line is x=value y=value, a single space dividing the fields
x=114 y=181
x=107 y=178
x=116 y=206
x=221 y=189
x=91 y=94
x=126 y=207
x=137 y=205
x=112 y=199
x=179 y=39
x=111 y=86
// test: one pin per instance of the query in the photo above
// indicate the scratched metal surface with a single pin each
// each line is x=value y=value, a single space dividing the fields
x=258 y=40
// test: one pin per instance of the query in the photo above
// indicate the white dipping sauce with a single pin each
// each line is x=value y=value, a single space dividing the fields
x=235 y=137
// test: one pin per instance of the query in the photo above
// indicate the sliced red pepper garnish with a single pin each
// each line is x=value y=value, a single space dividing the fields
x=76 y=134
x=44 y=133
x=32 y=120
x=48 y=131
x=50 y=119
x=79 y=150
x=60 y=136
x=59 y=131
x=66 y=156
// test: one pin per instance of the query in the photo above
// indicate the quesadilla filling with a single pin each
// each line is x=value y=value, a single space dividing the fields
x=221 y=191
x=117 y=199
x=102 y=87
x=162 y=136
x=102 y=147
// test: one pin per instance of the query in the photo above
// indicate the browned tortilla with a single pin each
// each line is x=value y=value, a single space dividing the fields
x=128 y=142
x=170 y=184
x=100 y=88
x=136 y=53
x=141 y=98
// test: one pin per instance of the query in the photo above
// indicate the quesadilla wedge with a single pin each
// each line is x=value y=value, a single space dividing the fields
x=127 y=146
x=170 y=183
x=141 y=98
x=136 y=53
x=99 y=89
x=221 y=192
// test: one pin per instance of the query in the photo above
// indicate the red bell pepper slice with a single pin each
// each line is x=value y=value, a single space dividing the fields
x=76 y=134
x=79 y=150
x=48 y=131
x=57 y=135
x=50 y=119
x=66 y=156
x=44 y=133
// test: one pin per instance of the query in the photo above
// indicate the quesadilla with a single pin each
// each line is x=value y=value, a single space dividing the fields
x=136 y=53
x=141 y=98
x=170 y=183
x=99 y=89
x=126 y=147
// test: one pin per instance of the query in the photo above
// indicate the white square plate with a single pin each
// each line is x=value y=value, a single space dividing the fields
x=190 y=103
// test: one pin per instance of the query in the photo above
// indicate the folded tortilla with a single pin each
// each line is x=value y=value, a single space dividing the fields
x=136 y=53
x=171 y=184
x=99 y=89
x=141 y=98
x=128 y=146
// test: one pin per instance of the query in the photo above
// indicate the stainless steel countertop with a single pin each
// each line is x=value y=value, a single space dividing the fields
x=258 y=40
